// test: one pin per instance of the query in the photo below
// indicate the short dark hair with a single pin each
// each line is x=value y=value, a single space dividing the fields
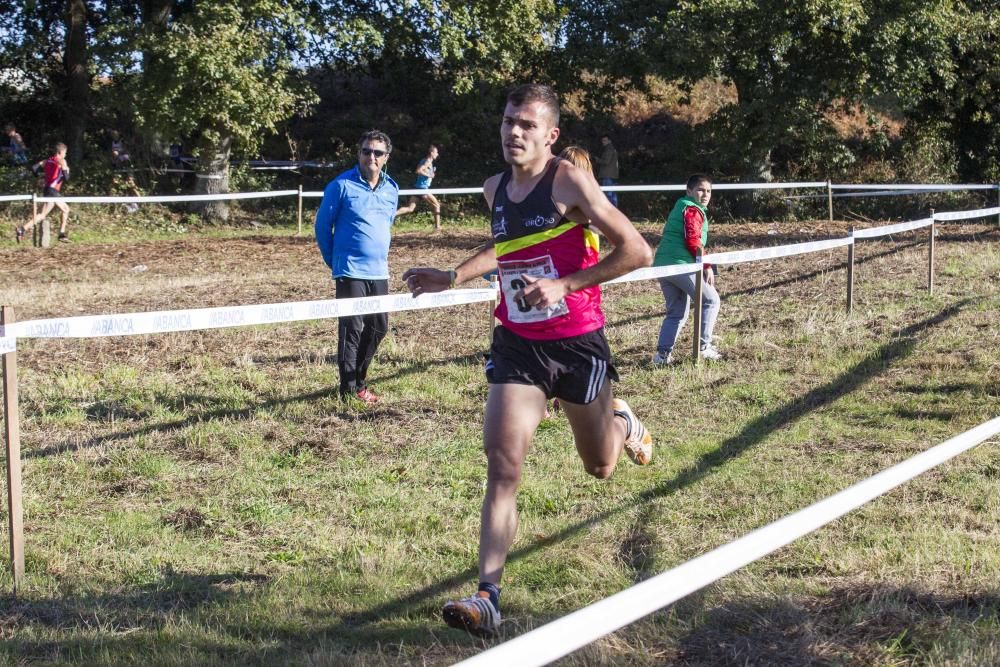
x=695 y=179
x=536 y=92
x=375 y=135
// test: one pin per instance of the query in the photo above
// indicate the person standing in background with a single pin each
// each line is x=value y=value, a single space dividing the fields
x=685 y=236
x=18 y=151
x=607 y=167
x=353 y=234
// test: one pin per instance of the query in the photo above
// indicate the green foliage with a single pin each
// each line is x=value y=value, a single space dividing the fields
x=222 y=71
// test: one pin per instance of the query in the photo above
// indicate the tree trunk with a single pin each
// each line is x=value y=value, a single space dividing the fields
x=77 y=90
x=213 y=178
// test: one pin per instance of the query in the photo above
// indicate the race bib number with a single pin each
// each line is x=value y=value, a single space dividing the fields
x=512 y=281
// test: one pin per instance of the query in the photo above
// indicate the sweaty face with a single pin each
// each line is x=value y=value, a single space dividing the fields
x=369 y=161
x=701 y=193
x=526 y=133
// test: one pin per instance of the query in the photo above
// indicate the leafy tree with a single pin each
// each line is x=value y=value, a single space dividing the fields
x=222 y=73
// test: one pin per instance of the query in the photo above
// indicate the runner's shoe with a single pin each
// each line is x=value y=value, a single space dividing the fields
x=661 y=359
x=710 y=352
x=64 y=237
x=18 y=233
x=474 y=614
x=638 y=441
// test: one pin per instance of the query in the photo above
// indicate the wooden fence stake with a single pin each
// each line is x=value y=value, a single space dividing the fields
x=930 y=258
x=12 y=432
x=299 y=233
x=696 y=314
x=998 y=202
x=850 y=275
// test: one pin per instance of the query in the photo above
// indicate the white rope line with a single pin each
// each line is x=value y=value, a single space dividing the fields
x=562 y=636
x=651 y=272
x=170 y=198
x=213 y=318
x=965 y=215
x=925 y=187
x=756 y=254
x=130 y=324
x=873 y=232
x=884 y=189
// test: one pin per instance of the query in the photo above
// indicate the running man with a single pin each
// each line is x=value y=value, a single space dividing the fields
x=56 y=171
x=425 y=174
x=550 y=341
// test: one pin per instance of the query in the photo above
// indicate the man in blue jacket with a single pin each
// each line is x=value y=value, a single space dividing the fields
x=352 y=231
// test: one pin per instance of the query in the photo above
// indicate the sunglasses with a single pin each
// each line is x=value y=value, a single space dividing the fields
x=373 y=151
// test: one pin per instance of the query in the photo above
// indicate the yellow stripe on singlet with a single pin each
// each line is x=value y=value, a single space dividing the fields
x=506 y=247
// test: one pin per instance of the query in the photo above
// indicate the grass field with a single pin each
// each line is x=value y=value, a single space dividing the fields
x=205 y=498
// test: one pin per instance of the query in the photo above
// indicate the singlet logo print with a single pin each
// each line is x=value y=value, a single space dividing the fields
x=538 y=222
x=500 y=226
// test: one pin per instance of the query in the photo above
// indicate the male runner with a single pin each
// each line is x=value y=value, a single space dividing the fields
x=56 y=171
x=425 y=174
x=550 y=342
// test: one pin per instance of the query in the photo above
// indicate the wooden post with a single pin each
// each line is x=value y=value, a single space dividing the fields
x=12 y=432
x=696 y=308
x=850 y=275
x=299 y=233
x=998 y=202
x=829 y=200
x=36 y=239
x=930 y=258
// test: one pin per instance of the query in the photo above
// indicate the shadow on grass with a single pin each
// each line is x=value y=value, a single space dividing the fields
x=151 y=607
x=107 y=409
x=636 y=548
x=846 y=625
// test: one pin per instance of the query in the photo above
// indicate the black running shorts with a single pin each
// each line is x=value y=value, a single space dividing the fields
x=572 y=369
x=51 y=192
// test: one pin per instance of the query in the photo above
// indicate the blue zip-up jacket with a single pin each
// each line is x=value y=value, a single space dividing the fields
x=352 y=225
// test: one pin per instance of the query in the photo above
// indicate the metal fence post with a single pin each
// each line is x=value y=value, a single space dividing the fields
x=696 y=308
x=829 y=200
x=850 y=274
x=12 y=439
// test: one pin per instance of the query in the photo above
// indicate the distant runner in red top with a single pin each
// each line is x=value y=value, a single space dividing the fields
x=55 y=170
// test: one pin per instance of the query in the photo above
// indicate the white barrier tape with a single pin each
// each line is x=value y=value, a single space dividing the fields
x=923 y=187
x=651 y=272
x=872 y=193
x=153 y=199
x=965 y=215
x=886 y=230
x=755 y=254
x=130 y=324
x=8 y=344
x=612 y=188
x=564 y=635
x=15 y=197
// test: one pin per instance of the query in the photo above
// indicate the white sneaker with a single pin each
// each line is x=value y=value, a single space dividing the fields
x=638 y=441
x=710 y=352
x=660 y=359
